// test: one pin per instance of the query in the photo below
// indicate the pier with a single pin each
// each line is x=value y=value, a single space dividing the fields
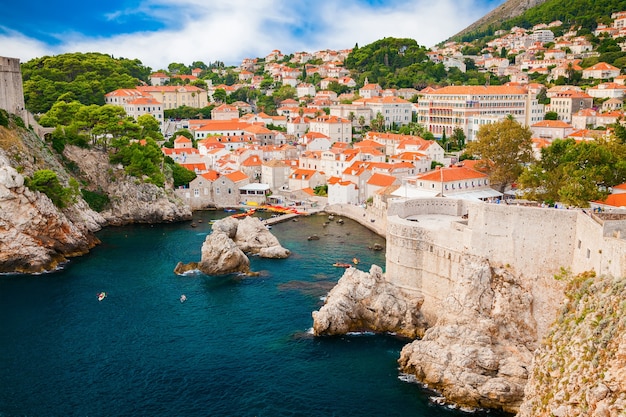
x=279 y=219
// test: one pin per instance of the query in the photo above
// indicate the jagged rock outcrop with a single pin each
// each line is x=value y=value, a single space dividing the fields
x=130 y=201
x=478 y=353
x=364 y=301
x=253 y=237
x=224 y=250
x=34 y=235
x=220 y=255
x=580 y=368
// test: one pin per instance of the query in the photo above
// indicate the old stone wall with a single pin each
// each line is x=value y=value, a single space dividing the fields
x=427 y=238
x=11 y=91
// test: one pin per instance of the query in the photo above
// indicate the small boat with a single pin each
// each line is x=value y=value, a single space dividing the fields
x=102 y=296
x=183 y=298
x=341 y=265
x=355 y=261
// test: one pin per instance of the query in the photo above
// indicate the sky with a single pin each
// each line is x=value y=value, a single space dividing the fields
x=160 y=32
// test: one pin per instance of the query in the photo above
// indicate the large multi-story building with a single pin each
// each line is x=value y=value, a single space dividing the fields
x=174 y=96
x=447 y=108
x=565 y=103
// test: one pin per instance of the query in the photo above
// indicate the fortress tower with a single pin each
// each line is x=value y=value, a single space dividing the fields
x=11 y=91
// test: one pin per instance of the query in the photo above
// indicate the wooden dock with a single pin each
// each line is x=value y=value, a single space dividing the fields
x=279 y=219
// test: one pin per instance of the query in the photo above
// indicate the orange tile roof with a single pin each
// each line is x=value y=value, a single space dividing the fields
x=144 y=100
x=615 y=200
x=211 y=175
x=237 y=176
x=480 y=90
x=381 y=180
x=451 y=174
x=552 y=124
x=253 y=161
x=200 y=166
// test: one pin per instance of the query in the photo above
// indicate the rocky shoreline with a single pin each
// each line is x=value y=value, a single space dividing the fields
x=224 y=250
x=483 y=349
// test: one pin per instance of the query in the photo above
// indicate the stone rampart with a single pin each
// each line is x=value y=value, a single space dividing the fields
x=11 y=91
x=428 y=238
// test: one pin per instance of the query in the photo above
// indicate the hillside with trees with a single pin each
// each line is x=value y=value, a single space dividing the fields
x=578 y=13
x=84 y=77
x=402 y=63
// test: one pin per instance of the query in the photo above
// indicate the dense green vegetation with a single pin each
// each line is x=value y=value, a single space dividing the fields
x=576 y=173
x=130 y=142
x=47 y=182
x=402 y=63
x=97 y=201
x=505 y=147
x=84 y=77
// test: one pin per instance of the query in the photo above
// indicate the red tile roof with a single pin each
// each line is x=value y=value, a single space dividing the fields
x=452 y=174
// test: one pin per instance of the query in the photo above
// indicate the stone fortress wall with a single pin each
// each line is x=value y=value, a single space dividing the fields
x=12 y=94
x=428 y=240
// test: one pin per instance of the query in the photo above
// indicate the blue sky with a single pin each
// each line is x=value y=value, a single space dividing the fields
x=159 y=32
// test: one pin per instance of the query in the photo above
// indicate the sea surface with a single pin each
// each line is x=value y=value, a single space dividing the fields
x=236 y=347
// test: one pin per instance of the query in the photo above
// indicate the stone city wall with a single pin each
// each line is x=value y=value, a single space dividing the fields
x=534 y=243
x=11 y=92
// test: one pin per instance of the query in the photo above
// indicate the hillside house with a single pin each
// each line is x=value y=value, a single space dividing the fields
x=342 y=192
x=305 y=178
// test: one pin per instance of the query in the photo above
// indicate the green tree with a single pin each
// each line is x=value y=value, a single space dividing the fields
x=84 y=77
x=150 y=127
x=47 y=182
x=504 y=147
x=181 y=175
x=551 y=115
x=219 y=95
x=575 y=173
x=378 y=123
x=457 y=139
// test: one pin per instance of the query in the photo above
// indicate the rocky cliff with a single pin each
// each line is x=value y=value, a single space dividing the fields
x=580 y=368
x=131 y=201
x=364 y=301
x=507 y=10
x=479 y=351
x=35 y=235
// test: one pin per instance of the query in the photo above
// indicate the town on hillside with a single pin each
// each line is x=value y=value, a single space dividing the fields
x=333 y=138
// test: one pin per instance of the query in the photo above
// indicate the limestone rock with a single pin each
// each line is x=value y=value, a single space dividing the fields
x=226 y=225
x=34 y=235
x=364 y=301
x=478 y=352
x=130 y=201
x=220 y=255
x=182 y=268
x=253 y=237
x=580 y=368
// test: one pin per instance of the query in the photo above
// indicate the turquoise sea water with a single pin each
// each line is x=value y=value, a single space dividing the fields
x=236 y=347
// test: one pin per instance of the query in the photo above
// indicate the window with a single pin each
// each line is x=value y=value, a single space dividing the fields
x=196 y=192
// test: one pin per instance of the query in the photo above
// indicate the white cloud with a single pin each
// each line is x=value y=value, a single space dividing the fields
x=230 y=30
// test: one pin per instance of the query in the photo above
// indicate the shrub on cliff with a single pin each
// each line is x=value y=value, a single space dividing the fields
x=47 y=182
x=4 y=118
x=97 y=201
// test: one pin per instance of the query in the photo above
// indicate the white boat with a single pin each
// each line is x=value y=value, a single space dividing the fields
x=183 y=298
